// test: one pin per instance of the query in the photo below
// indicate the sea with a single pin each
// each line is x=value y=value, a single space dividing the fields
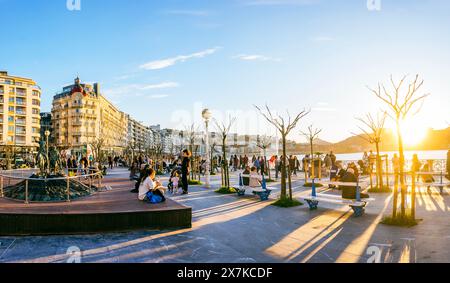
x=423 y=155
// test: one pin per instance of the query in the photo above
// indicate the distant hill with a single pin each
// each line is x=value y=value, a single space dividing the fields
x=435 y=140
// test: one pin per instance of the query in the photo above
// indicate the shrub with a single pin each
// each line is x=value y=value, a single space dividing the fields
x=195 y=183
x=406 y=221
x=286 y=203
x=309 y=185
x=226 y=191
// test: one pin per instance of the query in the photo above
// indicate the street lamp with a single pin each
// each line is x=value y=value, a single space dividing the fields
x=206 y=114
x=47 y=133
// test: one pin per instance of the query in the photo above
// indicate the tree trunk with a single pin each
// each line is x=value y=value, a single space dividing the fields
x=402 y=170
x=283 y=168
x=225 y=164
x=379 y=168
x=312 y=161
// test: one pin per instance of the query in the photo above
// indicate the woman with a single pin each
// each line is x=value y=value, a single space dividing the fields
x=416 y=165
x=186 y=155
x=150 y=190
x=255 y=178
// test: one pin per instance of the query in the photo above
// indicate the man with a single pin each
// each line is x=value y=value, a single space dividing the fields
x=277 y=166
x=185 y=164
x=333 y=158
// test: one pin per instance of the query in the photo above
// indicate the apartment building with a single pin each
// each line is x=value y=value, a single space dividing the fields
x=82 y=116
x=20 y=107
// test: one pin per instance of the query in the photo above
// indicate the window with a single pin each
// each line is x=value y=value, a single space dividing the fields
x=11 y=108
x=11 y=99
x=35 y=93
x=35 y=130
x=35 y=121
x=35 y=111
x=10 y=128
x=10 y=139
x=36 y=102
x=10 y=119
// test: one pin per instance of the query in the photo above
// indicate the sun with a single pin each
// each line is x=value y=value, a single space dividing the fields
x=413 y=132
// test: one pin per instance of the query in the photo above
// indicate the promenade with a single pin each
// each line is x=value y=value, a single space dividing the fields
x=227 y=228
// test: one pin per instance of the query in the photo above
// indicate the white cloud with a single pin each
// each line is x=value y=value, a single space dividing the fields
x=255 y=57
x=137 y=90
x=165 y=63
x=160 y=85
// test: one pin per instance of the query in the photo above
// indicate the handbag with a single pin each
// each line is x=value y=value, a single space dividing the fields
x=155 y=197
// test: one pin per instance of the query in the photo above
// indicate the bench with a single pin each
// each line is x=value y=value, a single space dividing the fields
x=357 y=205
x=263 y=192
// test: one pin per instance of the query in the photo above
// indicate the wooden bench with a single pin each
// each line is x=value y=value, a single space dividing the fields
x=263 y=192
x=357 y=205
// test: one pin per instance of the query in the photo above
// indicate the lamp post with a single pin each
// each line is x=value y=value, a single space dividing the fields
x=206 y=114
x=47 y=133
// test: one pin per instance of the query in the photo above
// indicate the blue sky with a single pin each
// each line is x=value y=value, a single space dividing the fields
x=162 y=60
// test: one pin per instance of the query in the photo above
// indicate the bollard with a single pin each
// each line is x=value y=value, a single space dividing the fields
x=68 y=189
x=26 y=191
x=358 y=191
x=314 y=193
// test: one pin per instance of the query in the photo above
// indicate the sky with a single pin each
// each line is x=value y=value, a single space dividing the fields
x=163 y=61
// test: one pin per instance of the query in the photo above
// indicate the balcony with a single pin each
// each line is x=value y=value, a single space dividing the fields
x=21 y=93
x=21 y=133
x=23 y=103
x=21 y=113
x=21 y=122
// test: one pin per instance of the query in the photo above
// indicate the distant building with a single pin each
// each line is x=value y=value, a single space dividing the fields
x=46 y=125
x=20 y=107
x=138 y=135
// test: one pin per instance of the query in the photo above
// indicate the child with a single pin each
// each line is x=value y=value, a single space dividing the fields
x=175 y=182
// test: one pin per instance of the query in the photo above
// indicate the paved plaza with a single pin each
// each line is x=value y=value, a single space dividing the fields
x=227 y=228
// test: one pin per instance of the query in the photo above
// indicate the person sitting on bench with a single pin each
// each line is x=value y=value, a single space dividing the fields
x=349 y=192
x=427 y=178
x=255 y=178
x=246 y=180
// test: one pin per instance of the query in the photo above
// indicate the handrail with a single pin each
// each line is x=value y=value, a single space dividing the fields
x=66 y=178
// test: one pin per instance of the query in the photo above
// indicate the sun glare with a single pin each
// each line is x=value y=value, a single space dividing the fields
x=413 y=133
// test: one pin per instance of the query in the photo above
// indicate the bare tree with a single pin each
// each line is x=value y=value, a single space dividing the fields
x=311 y=136
x=97 y=146
x=191 y=135
x=284 y=126
x=399 y=107
x=372 y=133
x=224 y=130
x=264 y=143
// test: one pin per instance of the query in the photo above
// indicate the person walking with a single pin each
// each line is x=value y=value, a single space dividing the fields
x=185 y=168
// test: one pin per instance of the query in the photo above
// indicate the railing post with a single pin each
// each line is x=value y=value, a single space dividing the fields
x=26 y=191
x=68 y=189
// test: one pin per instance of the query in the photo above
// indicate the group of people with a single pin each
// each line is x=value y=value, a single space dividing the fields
x=150 y=189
